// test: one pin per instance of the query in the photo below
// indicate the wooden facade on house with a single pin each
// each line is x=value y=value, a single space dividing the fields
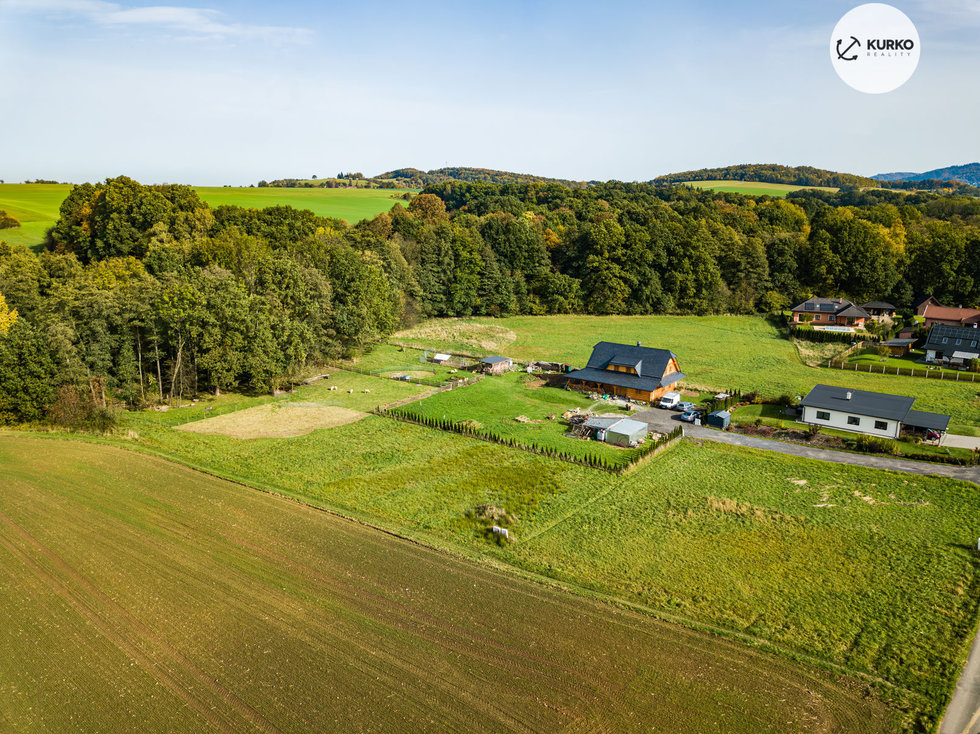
x=637 y=373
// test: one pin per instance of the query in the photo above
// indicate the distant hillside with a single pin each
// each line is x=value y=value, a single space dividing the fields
x=414 y=178
x=968 y=173
x=771 y=173
x=897 y=176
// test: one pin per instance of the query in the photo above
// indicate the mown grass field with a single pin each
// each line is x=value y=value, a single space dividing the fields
x=387 y=359
x=753 y=188
x=869 y=570
x=496 y=402
x=718 y=352
x=139 y=594
x=351 y=205
x=36 y=206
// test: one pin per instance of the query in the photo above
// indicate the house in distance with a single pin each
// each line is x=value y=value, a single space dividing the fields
x=637 y=373
x=830 y=312
x=933 y=313
x=952 y=344
x=873 y=413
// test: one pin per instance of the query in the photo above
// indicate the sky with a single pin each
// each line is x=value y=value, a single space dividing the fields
x=215 y=92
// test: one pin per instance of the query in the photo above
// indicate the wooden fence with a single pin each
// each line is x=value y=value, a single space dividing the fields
x=883 y=369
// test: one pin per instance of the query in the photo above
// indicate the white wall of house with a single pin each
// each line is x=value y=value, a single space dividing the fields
x=839 y=419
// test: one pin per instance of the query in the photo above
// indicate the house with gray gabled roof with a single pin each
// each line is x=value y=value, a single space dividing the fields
x=952 y=343
x=637 y=373
x=830 y=312
x=861 y=411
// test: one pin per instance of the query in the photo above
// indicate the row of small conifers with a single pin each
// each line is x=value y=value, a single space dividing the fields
x=617 y=464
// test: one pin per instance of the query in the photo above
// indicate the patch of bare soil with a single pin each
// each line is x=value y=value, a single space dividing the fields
x=274 y=420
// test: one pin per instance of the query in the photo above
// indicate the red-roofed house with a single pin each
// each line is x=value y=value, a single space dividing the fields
x=948 y=315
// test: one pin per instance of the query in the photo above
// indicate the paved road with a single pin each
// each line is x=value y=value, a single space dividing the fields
x=663 y=420
x=963 y=714
x=961 y=442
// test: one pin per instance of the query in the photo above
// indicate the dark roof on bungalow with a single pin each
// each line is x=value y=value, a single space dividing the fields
x=878 y=304
x=873 y=405
x=946 y=338
x=649 y=363
x=496 y=359
x=898 y=343
x=933 y=421
x=861 y=402
x=836 y=306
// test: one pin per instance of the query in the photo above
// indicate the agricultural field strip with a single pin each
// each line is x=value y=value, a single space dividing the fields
x=455 y=551
x=764 y=668
x=178 y=674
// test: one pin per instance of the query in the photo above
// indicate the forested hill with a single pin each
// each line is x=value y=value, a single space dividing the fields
x=772 y=173
x=968 y=173
x=145 y=293
x=414 y=178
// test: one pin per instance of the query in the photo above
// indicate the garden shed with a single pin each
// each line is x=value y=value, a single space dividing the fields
x=496 y=364
x=617 y=431
x=718 y=419
x=626 y=432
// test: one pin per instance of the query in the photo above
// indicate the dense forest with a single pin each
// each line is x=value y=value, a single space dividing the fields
x=772 y=173
x=145 y=294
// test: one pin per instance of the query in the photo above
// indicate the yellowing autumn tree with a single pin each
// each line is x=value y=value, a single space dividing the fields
x=7 y=318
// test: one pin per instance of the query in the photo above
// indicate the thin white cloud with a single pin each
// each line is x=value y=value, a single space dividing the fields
x=195 y=22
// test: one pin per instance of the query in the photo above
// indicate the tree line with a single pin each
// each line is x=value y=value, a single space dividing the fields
x=146 y=294
x=772 y=173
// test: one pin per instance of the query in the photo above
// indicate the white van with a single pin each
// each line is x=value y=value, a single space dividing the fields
x=670 y=400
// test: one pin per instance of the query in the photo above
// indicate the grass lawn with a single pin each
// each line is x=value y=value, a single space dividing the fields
x=388 y=359
x=137 y=590
x=865 y=358
x=496 y=401
x=718 y=352
x=753 y=188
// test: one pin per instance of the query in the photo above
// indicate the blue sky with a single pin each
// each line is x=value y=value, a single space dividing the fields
x=218 y=92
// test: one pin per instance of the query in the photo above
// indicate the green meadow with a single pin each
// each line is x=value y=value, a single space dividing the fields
x=351 y=205
x=868 y=572
x=36 y=206
x=753 y=188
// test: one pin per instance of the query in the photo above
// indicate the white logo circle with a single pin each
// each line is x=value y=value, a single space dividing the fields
x=874 y=48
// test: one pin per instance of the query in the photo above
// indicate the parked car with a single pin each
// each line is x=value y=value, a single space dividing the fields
x=688 y=416
x=670 y=399
x=685 y=406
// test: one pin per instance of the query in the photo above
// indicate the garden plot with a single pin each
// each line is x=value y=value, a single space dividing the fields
x=275 y=420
